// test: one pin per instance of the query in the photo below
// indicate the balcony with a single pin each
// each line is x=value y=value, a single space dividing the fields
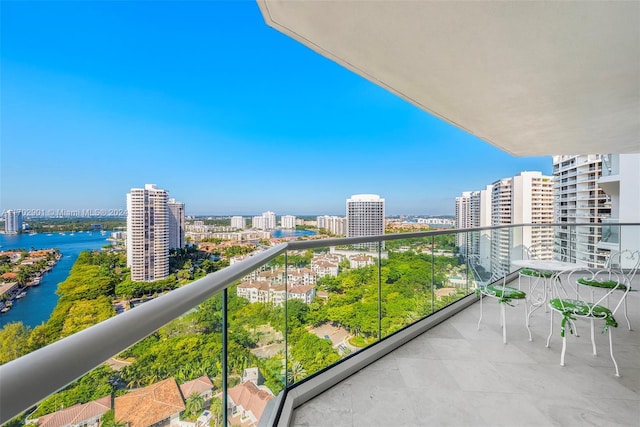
x=426 y=338
x=455 y=375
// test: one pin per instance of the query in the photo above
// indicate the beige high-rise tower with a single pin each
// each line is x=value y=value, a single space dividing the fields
x=148 y=233
x=365 y=217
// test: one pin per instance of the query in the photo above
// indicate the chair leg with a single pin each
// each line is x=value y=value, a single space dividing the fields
x=550 y=328
x=480 y=320
x=504 y=323
x=611 y=353
x=625 y=314
x=593 y=339
x=526 y=320
x=547 y=291
x=564 y=349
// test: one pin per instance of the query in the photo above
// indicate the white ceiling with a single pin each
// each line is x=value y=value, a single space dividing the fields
x=531 y=78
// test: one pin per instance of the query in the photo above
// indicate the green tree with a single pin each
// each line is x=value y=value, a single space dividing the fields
x=13 y=341
x=295 y=373
x=109 y=420
x=194 y=404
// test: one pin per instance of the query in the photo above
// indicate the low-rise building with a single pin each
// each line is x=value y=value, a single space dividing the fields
x=261 y=291
x=247 y=403
x=202 y=386
x=85 y=414
x=360 y=260
x=160 y=403
x=323 y=268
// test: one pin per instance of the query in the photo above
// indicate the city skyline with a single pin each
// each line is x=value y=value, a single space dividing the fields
x=206 y=101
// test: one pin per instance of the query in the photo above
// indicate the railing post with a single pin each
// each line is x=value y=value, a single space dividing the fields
x=225 y=326
x=286 y=321
x=379 y=290
x=433 y=277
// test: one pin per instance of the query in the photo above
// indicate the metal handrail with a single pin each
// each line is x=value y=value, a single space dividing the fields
x=27 y=380
x=34 y=376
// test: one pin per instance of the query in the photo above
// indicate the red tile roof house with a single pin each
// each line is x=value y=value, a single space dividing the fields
x=203 y=386
x=9 y=275
x=247 y=403
x=83 y=414
x=159 y=403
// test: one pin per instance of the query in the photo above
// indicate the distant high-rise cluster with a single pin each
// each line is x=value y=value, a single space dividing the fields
x=526 y=198
x=365 y=217
x=176 y=224
x=336 y=225
x=155 y=224
x=12 y=222
x=595 y=189
x=591 y=189
x=288 y=221
x=238 y=222
x=266 y=221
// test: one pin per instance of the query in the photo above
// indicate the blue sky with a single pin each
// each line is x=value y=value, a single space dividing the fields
x=205 y=100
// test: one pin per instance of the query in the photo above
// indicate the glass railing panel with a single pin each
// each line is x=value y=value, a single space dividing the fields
x=450 y=270
x=300 y=313
x=480 y=262
x=610 y=231
x=181 y=362
x=257 y=327
x=331 y=306
x=629 y=240
x=407 y=282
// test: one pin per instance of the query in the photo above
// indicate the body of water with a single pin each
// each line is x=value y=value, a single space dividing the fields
x=279 y=234
x=37 y=305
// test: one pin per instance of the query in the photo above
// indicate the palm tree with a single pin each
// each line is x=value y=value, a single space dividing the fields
x=194 y=404
x=296 y=373
x=216 y=411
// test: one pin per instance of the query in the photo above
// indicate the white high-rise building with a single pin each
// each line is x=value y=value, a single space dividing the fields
x=365 y=217
x=269 y=220
x=473 y=210
x=288 y=221
x=12 y=222
x=176 y=224
x=257 y=222
x=266 y=221
x=238 y=222
x=526 y=198
x=463 y=219
x=580 y=199
x=336 y=225
x=148 y=233
x=621 y=181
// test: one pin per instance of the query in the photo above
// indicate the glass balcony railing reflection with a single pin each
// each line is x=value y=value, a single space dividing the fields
x=227 y=348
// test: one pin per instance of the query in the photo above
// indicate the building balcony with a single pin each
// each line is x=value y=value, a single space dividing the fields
x=455 y=374
x=406 y=351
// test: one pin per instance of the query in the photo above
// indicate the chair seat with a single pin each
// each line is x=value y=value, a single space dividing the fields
x=582 y=308
x=505 y=292
x=607 y=284
x=535 y=273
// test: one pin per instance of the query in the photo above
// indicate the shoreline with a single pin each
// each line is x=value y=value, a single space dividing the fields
x=10 y=291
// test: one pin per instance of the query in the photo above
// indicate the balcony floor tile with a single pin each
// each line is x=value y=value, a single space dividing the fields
x=457 y=375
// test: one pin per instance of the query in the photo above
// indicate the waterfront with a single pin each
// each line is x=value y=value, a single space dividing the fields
x=37 y=305
x=282 y=233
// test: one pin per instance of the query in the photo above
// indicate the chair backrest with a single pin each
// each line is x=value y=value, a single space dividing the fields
x=625 y=263
x=566 y=285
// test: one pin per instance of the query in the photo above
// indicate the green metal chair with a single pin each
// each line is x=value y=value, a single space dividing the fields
x=566 y=300
x=505 y=296
x=625 y=264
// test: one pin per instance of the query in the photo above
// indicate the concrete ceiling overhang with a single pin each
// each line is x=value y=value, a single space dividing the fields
x=531 y=78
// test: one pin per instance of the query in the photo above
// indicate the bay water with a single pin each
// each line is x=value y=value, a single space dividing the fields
x=38 y=304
